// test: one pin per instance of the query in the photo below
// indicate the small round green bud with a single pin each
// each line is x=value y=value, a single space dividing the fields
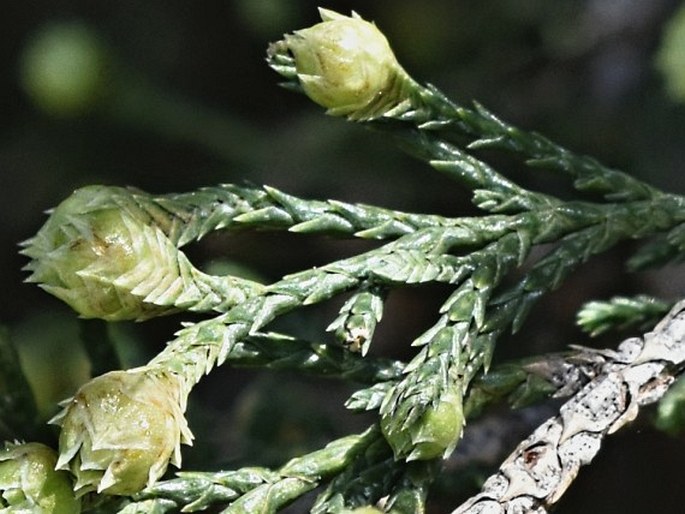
x=93 y=252
x=346 y=65
x=121 y=430
x=435 y=434
x=29 y=482
x=64 y=69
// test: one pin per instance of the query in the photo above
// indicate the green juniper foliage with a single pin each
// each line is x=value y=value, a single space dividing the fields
x=117 y=253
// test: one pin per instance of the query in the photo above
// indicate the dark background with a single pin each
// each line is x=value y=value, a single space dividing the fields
x=580 y=72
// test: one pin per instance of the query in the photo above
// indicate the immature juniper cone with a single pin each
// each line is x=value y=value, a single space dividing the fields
x=89 y=250
x=29 y=482
x=435 y=434
x=346 y=65
x=121 y=430
x=105 y=252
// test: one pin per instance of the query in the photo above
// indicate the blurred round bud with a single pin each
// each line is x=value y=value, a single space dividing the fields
x=346 y=65
x=93 y=252
x=121 y=430
x=29 y=482
x=670 y=58
x=435 y=434
x=64 y=69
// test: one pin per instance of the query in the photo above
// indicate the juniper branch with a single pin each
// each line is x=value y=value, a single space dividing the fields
x=278 y=351
x=251 y=490
x=420 y=404
x=661 y=251
x=412 y=259
x=108 y=258
x=492 y=191
x=621 y=312
x=356 y=323
x=520 y=383
x=199 y=347
x=463 y=340
x=187 y=217
x=365 y=480
x=639 y=219
x=426 y=109
x=410 y=490
x=152 y=506
x=445 y=365
x=654 y=254
x=523 y=382
x=433 y=111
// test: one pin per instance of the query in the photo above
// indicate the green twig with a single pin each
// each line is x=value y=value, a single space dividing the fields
x=250 y=490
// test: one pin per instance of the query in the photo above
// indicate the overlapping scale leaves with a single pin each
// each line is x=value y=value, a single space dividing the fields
x=121 y=430
x=106 y=257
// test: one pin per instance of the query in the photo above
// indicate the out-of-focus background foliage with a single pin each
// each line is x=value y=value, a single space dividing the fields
x=177 y=96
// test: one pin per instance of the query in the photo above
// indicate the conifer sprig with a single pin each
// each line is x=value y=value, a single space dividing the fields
x=621 y=313
x=429 y=110
x=356 y=323
x=187 y=217
x=249 y=490
x=282 y=352
x=433 y=111
x=426 y=108
x=665 y=249
x=414 y=258
x=372 y=477
x=126 y=244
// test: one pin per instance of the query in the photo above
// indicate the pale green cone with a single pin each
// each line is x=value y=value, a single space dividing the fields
x=121 y=430
x=434 y=434
x=87 y=243
x=346 y=64
x=29 y=483
x=108 y=258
